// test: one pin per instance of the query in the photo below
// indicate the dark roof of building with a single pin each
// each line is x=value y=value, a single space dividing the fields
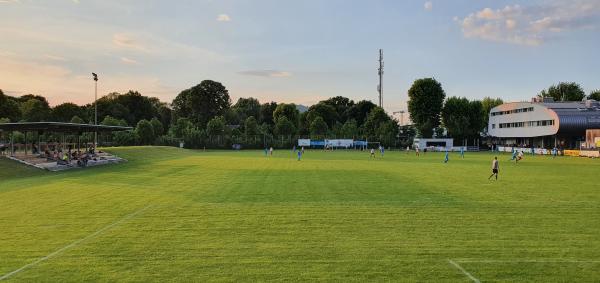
x=59 y=127
x=575 y=116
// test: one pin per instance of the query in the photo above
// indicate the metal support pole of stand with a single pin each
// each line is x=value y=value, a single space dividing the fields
x=12 y=143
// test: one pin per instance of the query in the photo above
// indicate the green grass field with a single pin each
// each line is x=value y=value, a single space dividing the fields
x=183 y=215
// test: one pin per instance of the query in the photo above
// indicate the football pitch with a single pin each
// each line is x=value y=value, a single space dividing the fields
x=183 y=215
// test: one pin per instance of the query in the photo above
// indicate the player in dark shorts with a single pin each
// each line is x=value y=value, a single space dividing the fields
x=494 y=168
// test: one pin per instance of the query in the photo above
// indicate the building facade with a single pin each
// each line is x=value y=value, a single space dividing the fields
x=543 y=124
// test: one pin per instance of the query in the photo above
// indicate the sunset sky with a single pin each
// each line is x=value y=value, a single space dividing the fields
x=297 y=51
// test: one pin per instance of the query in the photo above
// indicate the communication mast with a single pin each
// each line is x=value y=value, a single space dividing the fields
x=380 y=72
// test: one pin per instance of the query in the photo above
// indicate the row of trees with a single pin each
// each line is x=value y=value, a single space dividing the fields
x=131 y=107
x=206 y=110
x=456 y=117
x=568 y=91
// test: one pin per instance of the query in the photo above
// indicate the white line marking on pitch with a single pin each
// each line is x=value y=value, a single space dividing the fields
x=464 y=271
x=542 y=260
x=75 y=243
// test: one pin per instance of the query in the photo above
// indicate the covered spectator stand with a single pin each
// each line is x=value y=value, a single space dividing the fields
x=31 y=142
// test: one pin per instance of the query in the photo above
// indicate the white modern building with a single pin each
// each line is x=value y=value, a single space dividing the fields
x=543 y=124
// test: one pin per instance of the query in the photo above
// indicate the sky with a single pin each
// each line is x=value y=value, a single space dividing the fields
x=298 y=51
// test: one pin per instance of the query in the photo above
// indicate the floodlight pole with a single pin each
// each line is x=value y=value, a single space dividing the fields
x=95 y=110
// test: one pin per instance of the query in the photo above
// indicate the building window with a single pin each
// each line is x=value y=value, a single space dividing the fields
x=541 y=123
x=493 y=126
x=513 y=111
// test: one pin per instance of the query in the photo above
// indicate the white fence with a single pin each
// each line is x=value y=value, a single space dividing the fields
x=541 y=151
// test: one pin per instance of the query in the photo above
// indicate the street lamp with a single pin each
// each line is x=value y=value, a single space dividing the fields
x=95 y=110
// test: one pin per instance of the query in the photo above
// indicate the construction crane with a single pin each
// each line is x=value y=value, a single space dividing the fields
x=401 y=112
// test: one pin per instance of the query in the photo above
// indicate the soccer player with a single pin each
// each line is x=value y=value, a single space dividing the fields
x=407 y=149
x=519 y=156
x=372 y=153
x=514 y=155
x=417 y=150
x=462 y=152
x=299 y=155
x=271 y=151
x=302 y=150
x=381 y=150
x=494 y=168
x=266 y=152
x=446 y=157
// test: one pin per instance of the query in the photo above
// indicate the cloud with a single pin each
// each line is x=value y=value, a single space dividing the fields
x=127 y=41
x=223 y=18
x=128 y=61
x=266 y=73
x=4 y=53
x=55 y=58
x=428 y=6
x=531 y=25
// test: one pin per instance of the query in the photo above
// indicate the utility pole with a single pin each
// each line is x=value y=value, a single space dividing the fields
x=380 y=72
x=95 y=110
x=401 y=116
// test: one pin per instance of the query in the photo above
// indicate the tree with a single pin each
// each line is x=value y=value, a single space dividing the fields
x=4 y=120
x=476 y=119
x=266 y=113
x=342 y=106
x=487 y=104
x=250 y=126
x=76 y=120
x=246 y=107
x=463 y=118
x=387 y=132
x=455 y=117
x=318 y=127
x=164 y=115
x=145 y=132
x=35 y=110
x=377 y=117
x=111 y=121
x=157 y=126
x=284 y=126
x=288 y=111
x=595 y=95
x=426 y=99
x=64 y=112
x=202 y=102
x=26 y=97
x=323 y=110
x=564 y=91
x=216 y=126
x=360 y=111
x=303 y=125
x=108 y=105
x=349 y=129
x=231 y=117
x=9 y=107
x=181 y=127
x=139 y=107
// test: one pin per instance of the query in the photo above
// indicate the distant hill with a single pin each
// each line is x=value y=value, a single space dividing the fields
x=301 y=108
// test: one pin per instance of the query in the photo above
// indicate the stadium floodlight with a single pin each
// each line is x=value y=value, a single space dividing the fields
x=95 y=76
